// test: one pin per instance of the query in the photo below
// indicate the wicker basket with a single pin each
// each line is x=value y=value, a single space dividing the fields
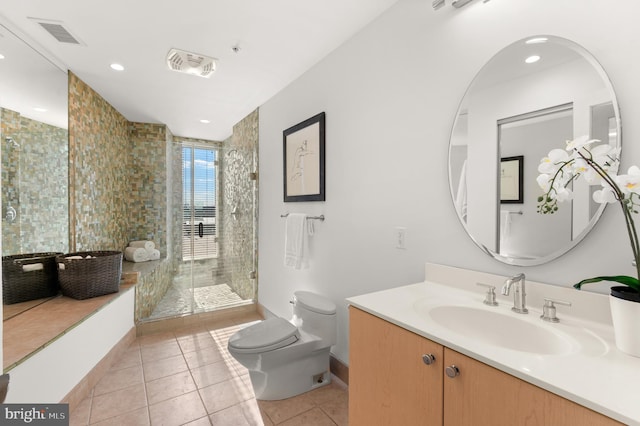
x=90 y=277
x=21 y=282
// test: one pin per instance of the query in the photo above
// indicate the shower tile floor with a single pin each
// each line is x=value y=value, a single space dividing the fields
x=178 y=300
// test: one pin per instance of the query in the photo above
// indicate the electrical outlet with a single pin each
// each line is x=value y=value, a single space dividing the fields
x=401 y=238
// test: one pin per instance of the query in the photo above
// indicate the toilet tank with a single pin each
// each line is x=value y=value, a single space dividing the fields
x=315 y=314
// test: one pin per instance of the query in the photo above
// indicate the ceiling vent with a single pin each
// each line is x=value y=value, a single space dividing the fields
x=57 y=30
x=191 y=63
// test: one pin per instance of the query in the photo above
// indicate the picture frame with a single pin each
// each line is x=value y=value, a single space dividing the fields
x=511 y=180
x=304 y=160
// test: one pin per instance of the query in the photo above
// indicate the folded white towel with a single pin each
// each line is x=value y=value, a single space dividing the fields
x=74 y=257
x=33 y=267
x=61 y=266
x=147 y=245
x=154 y=254
x=136 y=254
x=295 y=241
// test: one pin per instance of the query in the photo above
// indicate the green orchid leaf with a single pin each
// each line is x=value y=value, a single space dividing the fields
x=621 y=279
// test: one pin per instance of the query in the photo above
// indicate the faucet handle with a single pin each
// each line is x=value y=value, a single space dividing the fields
x=549 y=309
x=490 y=297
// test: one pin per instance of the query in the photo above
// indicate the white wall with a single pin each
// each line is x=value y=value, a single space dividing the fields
x=390 y=95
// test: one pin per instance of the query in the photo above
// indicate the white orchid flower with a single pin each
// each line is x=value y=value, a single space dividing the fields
x=580 y=142
x=604 y=195
x=544 y=181
x=552 y=162
x=629 y=183
x=563 y=193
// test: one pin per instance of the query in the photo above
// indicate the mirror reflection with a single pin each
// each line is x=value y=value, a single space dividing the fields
x=34 y=149
x=529 y=98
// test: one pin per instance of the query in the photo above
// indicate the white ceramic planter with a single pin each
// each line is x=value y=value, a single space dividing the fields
x=626 y=325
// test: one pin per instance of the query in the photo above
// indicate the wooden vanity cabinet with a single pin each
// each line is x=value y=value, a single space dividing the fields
x=390 y=384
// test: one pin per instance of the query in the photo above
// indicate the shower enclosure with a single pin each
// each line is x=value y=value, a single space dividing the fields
x=214 y=193
x=34 y=167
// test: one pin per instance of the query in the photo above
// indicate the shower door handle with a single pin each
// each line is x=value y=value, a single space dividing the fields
x=201 y=229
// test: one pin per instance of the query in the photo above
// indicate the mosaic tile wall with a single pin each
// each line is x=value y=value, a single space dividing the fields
x=34 y=182
x=10 y=125
x=148 y=184
x=99 y=162
x=239 y=160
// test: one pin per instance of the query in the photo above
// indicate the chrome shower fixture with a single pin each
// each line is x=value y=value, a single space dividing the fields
x=11 y=143
x=437 y=4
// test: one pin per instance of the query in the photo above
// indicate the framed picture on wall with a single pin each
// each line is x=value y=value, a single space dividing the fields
x=511 y=180
x=303 y=150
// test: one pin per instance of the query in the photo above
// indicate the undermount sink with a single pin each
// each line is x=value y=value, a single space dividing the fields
x=498 y=329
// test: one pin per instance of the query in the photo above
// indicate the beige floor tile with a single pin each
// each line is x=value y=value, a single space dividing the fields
x=130 y=358
x=160 y=350
x=253 y=414
x=154 y=338
x=195 y=342
x=164 y=367
x=328 y=393
x=232 y=416
x=177 y=411
x=211 y=374
x=203 y=357
x=224 y=395
x=313 y=417
x=139 y=417
x=204 y=421
x=80 y=416
x=119 y=379
x=337 y=409
x=190 y=330
x=279 y=411
x=170 y=387
x=116 y=403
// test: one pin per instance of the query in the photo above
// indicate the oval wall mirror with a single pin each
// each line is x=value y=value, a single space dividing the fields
x=531 y=97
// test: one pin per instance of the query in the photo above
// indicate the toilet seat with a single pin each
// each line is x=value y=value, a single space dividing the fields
x=267 y=335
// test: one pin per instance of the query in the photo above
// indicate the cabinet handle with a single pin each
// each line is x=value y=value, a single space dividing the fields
x=428 y=359
x=452 y=371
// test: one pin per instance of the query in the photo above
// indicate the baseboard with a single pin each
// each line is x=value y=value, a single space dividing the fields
x=83 y=389
x=187 y=321
x=339 y=369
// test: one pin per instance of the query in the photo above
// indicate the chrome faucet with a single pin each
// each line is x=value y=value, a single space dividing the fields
x=519 y=294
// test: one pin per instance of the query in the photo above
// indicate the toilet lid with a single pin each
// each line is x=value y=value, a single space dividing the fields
x=267 y=335
x=315 y=302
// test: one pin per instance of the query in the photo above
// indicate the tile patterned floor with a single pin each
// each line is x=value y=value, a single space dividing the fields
x=187 y=377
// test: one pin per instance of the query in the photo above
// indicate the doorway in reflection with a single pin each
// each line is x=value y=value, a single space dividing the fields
x=523 y=233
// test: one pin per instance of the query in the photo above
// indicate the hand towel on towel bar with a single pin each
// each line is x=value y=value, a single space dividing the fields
x=136 y=254
x=295 y=241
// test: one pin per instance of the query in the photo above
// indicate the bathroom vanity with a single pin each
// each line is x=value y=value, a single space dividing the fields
x=433 y=353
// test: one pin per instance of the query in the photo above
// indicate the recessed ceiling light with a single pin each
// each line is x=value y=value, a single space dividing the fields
x=117 y=67
x=1 y=56
x=40 y=109
x=537 y=40
x=205 y=121
x=531 y=59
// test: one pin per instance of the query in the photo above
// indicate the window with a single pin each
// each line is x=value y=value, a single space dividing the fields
x=199 y=195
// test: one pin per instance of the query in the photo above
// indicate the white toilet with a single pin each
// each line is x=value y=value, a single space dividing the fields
x=284 y=359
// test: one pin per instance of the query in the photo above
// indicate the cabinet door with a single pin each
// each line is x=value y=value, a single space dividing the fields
x=389 y=383
x=483 y=395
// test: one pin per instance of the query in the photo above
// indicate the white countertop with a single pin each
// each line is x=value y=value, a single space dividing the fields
x=593 y=372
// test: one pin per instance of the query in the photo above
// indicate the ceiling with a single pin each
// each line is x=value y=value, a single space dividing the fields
x=276 y=41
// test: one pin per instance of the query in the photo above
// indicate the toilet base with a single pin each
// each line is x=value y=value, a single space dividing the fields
x=291 y=379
